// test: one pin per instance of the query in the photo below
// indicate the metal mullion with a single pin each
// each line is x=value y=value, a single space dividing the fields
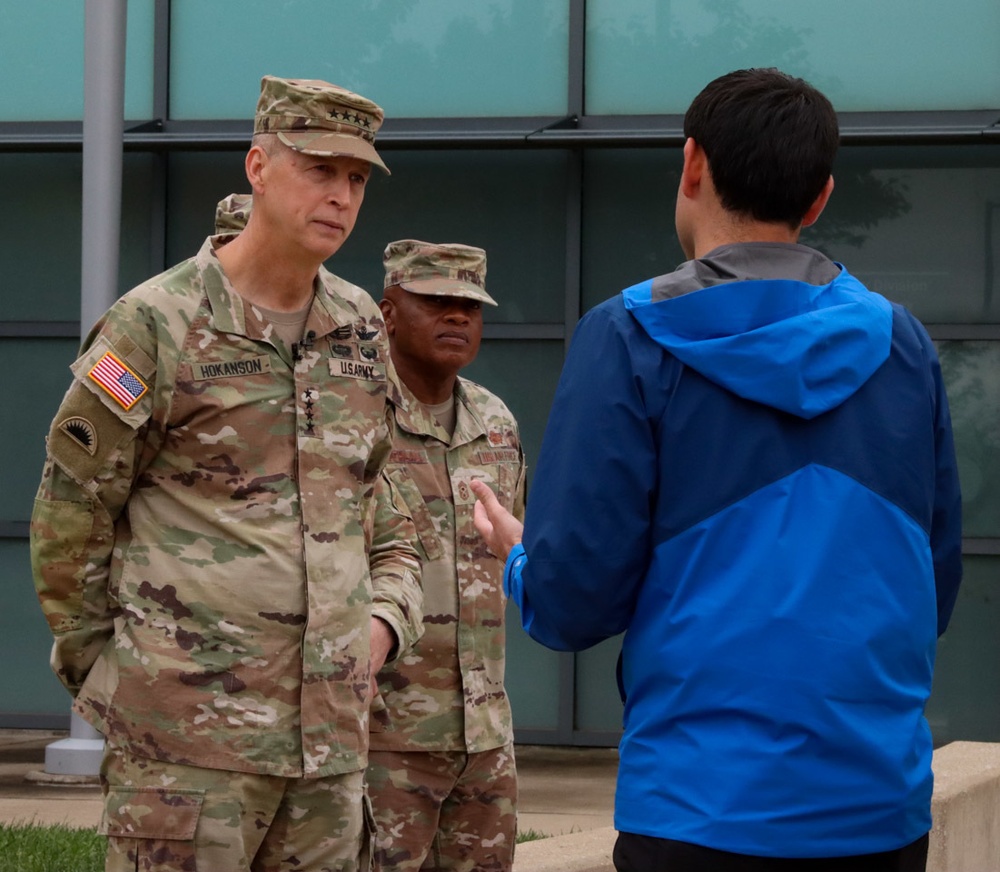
x=575 y=101
x=161 y=115
x=963 y=332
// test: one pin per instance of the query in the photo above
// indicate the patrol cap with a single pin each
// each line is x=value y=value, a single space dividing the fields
x=443 y=270
x=315 y=117
x=232 y=212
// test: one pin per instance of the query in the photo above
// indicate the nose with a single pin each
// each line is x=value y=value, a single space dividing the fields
x=457 y=313
x=339 y=193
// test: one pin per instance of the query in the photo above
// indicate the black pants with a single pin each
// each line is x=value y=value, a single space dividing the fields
x=646 y=854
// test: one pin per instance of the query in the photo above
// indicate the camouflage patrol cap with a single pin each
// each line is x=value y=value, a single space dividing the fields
x=443 y=270
x=232 y=212
x=315 y=117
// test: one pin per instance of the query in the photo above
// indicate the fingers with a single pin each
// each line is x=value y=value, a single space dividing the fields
x=482 y=521
x=485 y=496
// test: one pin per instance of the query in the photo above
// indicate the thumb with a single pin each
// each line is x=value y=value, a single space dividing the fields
x=485 y=496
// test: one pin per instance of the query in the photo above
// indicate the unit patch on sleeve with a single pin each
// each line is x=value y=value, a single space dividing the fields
x=116 y=379
x=82 y=432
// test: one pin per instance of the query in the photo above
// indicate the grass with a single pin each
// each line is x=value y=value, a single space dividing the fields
x=31 y=848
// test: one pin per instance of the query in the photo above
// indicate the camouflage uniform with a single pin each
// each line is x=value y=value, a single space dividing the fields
x=441 y=771
x=201 y=535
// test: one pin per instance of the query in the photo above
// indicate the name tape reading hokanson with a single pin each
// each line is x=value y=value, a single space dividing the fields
x=118 y=380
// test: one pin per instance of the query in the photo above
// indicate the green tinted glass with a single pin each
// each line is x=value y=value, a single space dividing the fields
x=647 y=56
x=432 y=58
x=965 y=704
x=41 y=60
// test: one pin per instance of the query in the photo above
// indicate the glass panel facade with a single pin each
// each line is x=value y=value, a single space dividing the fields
x=653 y=56
x=598 y=702
x=917 y=223
x=40 y=254
x=921 y=226
x=628 y=219
x=27 y=684
x=35 y=400
x=41 y=50
x=972 y=377
x=432 y=58
x=965 y=704
x=511 y=203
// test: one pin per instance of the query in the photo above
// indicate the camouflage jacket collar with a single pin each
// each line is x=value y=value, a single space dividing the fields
x=416 y=418
x=232 y=314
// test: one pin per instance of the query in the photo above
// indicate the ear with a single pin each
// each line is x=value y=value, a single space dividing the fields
x=695 y=166
x=388 y=315
x=819 y=204
x=256 y=162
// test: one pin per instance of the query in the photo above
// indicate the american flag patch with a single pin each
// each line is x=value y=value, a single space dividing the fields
x=118 y=380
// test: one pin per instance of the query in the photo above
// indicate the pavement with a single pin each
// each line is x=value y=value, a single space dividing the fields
x=562 y=790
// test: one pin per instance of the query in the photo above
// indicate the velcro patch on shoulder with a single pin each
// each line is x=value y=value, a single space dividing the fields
x=121 y=380
x=122 y=384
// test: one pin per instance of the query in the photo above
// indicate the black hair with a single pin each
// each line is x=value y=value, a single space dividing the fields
x=770 y=140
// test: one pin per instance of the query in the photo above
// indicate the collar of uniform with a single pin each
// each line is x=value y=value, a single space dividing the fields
x=416 y=418
x=226 y=305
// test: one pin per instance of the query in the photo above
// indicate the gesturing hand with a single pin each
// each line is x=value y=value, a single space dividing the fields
x=501 y=530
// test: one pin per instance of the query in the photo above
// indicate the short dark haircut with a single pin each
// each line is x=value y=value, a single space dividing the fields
x=770 y=140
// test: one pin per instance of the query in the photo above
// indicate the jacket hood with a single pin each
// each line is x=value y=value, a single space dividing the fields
x=777 y=324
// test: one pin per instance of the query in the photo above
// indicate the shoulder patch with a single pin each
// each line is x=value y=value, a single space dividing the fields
x=81 y=432
x=117 y=380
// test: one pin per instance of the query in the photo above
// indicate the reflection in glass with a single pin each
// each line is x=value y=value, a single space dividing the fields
x=920 y=226
x=971 y=373
x=652 y=57
x=430 y=58
x=41 y=61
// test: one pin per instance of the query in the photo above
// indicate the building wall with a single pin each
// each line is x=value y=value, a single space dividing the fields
x=549 y=133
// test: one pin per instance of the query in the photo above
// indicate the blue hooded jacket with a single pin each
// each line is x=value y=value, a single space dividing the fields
x=749 y=469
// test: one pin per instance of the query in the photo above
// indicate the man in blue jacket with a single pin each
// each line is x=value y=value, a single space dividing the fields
x=749 y=470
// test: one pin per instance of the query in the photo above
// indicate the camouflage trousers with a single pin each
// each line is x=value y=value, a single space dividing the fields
x=445 y=811
x=166 y=817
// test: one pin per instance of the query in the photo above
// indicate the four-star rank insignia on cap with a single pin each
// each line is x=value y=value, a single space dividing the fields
x=118 y=380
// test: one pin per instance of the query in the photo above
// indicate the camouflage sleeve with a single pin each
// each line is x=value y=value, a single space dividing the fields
x=92 y=452
x=395 y=568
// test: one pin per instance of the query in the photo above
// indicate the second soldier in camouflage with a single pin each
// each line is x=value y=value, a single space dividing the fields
x=441 y=772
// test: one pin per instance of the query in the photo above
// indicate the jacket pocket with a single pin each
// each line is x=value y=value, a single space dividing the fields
x=418 y=512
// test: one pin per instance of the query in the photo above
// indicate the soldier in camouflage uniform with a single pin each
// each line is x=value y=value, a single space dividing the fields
x=441 y=771
x=213 y=541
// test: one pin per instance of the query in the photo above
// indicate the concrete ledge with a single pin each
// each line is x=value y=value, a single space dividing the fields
x=589 y=851
x=966 y=808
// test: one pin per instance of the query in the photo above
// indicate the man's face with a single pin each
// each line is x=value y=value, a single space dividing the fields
x=432 y=334
x=313 y=201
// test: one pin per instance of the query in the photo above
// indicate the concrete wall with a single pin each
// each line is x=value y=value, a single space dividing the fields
x=965 y=837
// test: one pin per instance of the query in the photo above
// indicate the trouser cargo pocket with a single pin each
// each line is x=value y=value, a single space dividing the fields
x=151 y=829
